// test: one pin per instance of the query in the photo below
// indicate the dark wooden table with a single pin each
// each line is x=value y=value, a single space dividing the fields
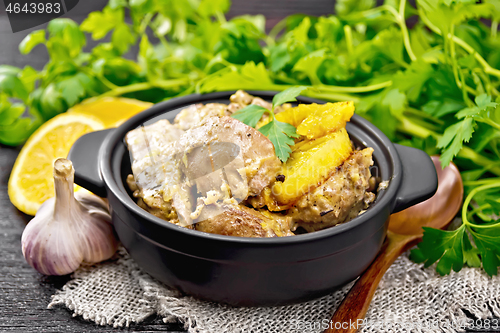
x=24 y=292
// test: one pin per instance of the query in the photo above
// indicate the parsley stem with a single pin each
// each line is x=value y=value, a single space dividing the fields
x=366 y=14
x=489 y=122
x=110 y=85
x=393 y=11
x=404 y=29
x=478 y=209
x=407 y=126
x=273 y=34
x=468 y=199
x=487 y=68
x=163 y=84
x=472 y=155
x=399 y=18
x=423 y=115
x=106 y=82
x=271 y=114
x=220 y=17
x=479 y=182
x=331 y=97
x=454 y=64
x=348 y=39
x=494 y=28
x=145 y=23
x=369 y=88
x=128 y=89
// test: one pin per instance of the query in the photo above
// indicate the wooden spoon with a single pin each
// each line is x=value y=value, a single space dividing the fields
x=405 y=230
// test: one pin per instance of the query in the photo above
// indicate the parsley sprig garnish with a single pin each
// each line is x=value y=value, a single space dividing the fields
x=475 y=241
x=279 y=133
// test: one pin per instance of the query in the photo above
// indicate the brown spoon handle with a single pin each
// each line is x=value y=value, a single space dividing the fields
x=350 y=313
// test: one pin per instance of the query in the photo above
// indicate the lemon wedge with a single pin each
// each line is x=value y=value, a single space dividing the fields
x=31 y=181
x=112 y=111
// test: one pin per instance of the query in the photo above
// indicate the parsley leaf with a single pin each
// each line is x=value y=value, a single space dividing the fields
x=442 y=245
x=32 y=40
x=309 y=65
x=344 y=7
x=476 y=241
x=453 y=138
x=280 y=134
x=486 y=240
x=288 y=95
x=456 y=134
x=250 y=115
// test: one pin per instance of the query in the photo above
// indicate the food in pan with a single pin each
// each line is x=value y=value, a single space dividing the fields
x=211 y=172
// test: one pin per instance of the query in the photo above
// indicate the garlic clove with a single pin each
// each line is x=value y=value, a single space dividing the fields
x=68 y=229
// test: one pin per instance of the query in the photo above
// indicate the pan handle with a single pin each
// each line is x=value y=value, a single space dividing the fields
x=85 y=157
x=419 y=178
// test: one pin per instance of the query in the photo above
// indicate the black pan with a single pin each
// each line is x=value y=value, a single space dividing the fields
x=251 y=271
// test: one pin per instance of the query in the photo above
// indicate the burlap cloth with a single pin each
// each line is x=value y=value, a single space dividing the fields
x=409 y=299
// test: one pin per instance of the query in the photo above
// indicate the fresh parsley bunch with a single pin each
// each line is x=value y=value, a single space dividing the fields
x=433 y=85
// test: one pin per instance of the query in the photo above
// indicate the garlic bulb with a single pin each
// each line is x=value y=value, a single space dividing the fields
x=68 y=229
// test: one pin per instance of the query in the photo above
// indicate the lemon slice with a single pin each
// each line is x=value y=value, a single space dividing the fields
x=112 y=111
x=31 y=181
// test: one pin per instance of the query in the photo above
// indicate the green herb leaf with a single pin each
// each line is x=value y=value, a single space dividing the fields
x=71 y=90
x=288 y=95
x=9 y=113
x=344 y=7
x=487 y=242
x=114 y=4
x=494 y=204
x=9 y=70
x=396 y=101
x=247 y=77
x=28 y=77
x=280 y=134
x=483 y=102
x=471 y=254
x=16 y=133
x=442 y=245
x=309 y=65
x=122 y=38
x=12 y=85
x=51 y=102
x=100 y=23
x=67 y=34
x=33 y=39
x=250 y=115
x=209 y=8
x=453 y=139
x=390 y=43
